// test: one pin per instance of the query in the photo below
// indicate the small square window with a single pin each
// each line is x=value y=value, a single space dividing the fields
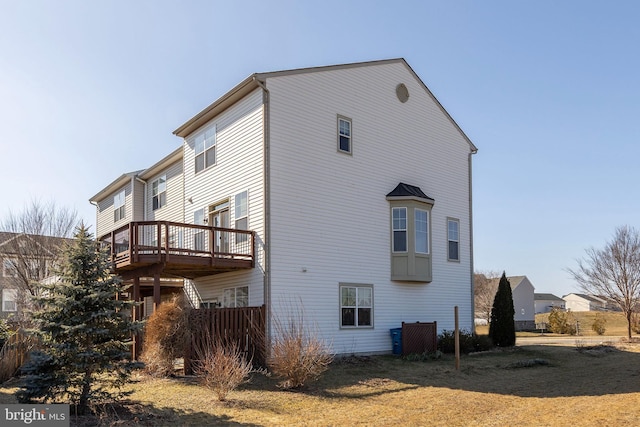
x=344 y=135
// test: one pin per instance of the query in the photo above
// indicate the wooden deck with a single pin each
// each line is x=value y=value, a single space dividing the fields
x=170 y=249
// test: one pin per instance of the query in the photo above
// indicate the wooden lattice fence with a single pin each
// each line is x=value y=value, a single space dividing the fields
x=244 y=326
x=419 y=338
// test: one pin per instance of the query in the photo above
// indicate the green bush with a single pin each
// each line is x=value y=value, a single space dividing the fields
x=599 y=324
x=469 y=342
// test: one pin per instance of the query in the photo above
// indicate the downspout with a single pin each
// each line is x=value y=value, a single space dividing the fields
x=97 y=207
x=267 y=212
x=144 y=198
x=473 y=313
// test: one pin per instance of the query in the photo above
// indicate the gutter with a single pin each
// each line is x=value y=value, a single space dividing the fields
x=267 y=211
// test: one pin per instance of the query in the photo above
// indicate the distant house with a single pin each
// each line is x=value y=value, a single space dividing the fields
x=24 y=259
x=544 y=303
x=523 y=302
x=583 y=302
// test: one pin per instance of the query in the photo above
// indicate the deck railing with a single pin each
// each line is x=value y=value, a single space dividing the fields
x=171 y=240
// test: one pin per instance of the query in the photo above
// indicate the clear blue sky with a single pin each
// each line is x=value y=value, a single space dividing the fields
x=549 y=91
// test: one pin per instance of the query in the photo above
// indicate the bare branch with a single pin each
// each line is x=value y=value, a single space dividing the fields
x=613 y=273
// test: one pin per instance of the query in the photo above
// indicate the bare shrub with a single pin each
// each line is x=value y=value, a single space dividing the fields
x=165 y=338
x=562 y=322
x=298 y=355
x=221 y=367
x=599 y=324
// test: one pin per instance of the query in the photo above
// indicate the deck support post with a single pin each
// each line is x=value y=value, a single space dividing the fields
x=156 y=291
x=137 y=339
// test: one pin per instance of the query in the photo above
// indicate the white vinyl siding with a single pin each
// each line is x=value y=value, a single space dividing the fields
x=173 y=210
x=330 y=221
x=239 y=168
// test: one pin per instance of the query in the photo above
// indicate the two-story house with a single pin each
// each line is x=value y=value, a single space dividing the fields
x=25 y=260
x=342 y=191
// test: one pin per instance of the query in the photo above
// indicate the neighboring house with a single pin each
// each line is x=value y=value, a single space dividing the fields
x=24 y=259
x=544 y=303
x=522 y=292
x=343 y=192
x=583 y=302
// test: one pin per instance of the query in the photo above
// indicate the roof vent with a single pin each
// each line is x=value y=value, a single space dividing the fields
x=402 y=93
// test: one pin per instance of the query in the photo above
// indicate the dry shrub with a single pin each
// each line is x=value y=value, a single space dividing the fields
x=221 y=367
x=298 y=355
x=165 y=339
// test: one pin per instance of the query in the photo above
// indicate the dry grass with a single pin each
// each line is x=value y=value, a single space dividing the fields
x=572 y=387
x=616 y=324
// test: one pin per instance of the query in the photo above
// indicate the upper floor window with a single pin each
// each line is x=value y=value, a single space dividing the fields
x=9 y=300
x=410 y=234
x=344 y=135
x=159 y=189
x=399 y=224
x=118 y=206
x=421 y=220
x=453 y=237
x=356 y=306
x=9 y=268
x=205 y=146
x=241 y=215
x=236 y=297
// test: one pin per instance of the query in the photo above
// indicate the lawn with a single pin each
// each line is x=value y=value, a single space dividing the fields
x=524 y=386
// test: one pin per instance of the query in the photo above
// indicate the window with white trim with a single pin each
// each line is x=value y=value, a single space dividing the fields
x=241 y=216
x=453 y=238
x=399 y=226
x=236 y=297
x=421 y=219
x=356 y=306
x=9 y=267
x=198 y=236
x=159 y=190
x=118 y=206
x=9 y=300
x=205 y=147
x=344 y=135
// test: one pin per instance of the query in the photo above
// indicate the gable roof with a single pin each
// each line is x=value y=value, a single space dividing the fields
x=514 y=281
x=586 y=297
x=258 y=80
x=115 y=185
x=7 y=237
x=546 y=297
